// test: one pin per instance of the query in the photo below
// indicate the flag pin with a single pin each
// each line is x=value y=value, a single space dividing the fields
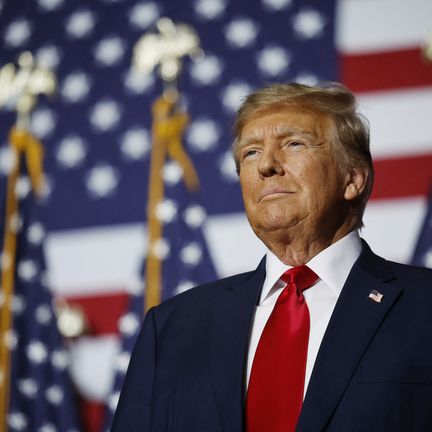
x=376 y=296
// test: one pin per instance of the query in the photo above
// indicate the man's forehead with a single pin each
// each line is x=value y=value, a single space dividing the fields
x=284 y=122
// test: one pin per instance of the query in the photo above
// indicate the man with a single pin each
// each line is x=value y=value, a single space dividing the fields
x=323 y=335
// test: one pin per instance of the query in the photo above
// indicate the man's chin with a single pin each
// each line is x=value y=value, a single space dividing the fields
x=274 y=227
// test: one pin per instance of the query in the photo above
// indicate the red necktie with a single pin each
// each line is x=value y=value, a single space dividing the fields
x=276 y=384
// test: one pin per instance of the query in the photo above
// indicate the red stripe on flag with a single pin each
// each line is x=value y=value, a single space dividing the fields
x=402 y=177
x=102 y=311
x=387 y=70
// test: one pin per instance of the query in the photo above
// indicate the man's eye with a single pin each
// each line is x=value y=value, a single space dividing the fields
x=297 y=145
x=249 y=153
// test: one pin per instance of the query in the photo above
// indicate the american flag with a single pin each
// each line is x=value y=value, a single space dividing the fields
x=97 y=130
x=41 y=397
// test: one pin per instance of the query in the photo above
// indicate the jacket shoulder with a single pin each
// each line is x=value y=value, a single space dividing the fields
x=389 y=270
x=203 y=293
x=413 y=274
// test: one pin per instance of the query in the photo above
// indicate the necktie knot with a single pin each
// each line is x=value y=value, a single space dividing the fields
x=301 y=276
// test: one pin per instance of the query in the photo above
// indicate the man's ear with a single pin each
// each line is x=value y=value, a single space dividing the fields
x=356 y=183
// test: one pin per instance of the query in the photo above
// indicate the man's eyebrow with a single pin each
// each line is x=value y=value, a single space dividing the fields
x=279 y=133
x=298 y=132
x=250 y=140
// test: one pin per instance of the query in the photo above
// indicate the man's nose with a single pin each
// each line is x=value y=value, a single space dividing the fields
x=269 y=163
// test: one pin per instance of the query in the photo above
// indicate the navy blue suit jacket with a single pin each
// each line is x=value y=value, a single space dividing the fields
x=373 y=371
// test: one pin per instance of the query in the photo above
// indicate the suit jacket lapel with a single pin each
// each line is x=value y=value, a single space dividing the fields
x=231 y=319
x=353 y=324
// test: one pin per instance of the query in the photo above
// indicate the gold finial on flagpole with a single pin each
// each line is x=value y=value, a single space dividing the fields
x=21 y=85
x=163 y=50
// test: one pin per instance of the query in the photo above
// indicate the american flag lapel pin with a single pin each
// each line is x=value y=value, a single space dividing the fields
x=376 y=296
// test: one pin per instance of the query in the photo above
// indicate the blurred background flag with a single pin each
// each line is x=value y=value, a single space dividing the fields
x=98 y=133
x=177 y=257
x=35 y=389
x=185 y=263
x=41 y=395
x=423 y=252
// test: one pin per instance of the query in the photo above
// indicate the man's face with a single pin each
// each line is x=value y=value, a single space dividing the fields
x=289 y=175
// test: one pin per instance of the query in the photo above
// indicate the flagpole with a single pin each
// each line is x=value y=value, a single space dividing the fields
x=7 y=280
x=164 y=51
x=155 y=196
x=23 y=144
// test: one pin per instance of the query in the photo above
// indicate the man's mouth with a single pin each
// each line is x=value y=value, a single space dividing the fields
x=274 y=192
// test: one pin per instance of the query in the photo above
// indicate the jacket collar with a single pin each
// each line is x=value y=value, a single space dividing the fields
x=232 y=314
x=355 y=318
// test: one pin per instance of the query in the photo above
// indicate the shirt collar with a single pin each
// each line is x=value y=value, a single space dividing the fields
x=332 y=265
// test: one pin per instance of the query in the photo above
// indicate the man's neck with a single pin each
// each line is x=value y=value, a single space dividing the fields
x=295 y=248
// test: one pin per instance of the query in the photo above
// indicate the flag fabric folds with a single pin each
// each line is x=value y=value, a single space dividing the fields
x=177 y=257
x=40 y=396
x=186 y=263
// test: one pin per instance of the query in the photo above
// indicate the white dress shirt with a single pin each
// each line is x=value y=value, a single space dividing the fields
x=332 y=266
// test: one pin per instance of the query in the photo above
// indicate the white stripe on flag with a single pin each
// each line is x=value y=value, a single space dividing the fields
x=371 y=25
x=400 y=121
